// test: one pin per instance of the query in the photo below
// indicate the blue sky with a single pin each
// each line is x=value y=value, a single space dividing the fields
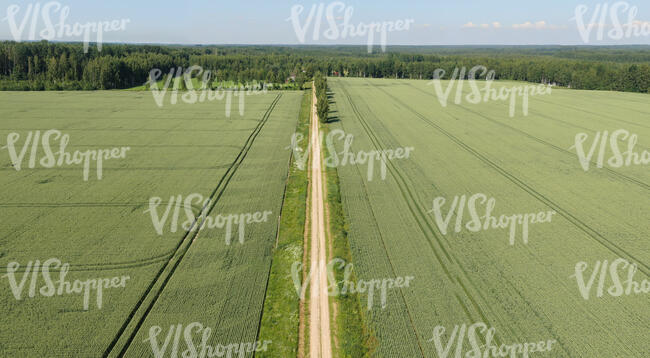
x=446 y=22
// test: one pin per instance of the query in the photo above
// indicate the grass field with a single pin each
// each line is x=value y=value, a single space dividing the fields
x=101 y=229
x=524 y=291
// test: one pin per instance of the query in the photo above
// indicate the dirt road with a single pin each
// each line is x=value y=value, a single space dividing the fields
x=319 y=316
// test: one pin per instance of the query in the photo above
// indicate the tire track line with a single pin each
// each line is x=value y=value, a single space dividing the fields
x=560 y=149
x=107 y=265
x=188 y=239
x=591 y=232
x=463 y=286
x=420 y=219
x=383 y=244
x=597 y=115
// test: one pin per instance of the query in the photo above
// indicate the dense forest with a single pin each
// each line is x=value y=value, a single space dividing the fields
x=64 y=66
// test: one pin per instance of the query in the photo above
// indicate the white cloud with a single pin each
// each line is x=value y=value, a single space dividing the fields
x=471 y=25
x=539 y=25
x=529 y=25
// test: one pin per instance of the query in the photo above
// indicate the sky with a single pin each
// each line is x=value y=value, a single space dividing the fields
x=431 y=22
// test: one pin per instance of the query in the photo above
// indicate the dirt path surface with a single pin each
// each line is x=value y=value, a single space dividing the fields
x=319 y=318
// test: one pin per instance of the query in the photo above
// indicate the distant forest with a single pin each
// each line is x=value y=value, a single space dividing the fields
x=64 y=66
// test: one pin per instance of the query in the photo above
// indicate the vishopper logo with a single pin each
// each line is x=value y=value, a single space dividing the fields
x=49 y=158
x=485 y=222
x=172 y=344
x=59 y=30
x=601 y=270
x=347 y=156
x=62 y=286
x=338 y=16
x=618 y=30
x=200 y=220
x=182 y=82
x=486 y=92
x=478 y=333
x=347 y=285
x=601 y=141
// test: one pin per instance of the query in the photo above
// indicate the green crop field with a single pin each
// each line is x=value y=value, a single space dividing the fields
x=101 y=227
x=325 y=179
x=525 y=291
x=525 y=288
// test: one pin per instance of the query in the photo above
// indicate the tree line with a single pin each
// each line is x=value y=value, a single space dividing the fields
x=322 y=101
x=64 y=66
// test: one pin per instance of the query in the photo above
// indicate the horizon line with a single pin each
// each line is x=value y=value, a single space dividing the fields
x=324 y=45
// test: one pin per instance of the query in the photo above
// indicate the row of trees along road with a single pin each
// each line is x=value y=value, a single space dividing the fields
x=322 y=104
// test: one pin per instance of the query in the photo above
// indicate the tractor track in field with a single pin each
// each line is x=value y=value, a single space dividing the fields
x=128 y=169
x=135 y=130
x=628 y=100
x=559 y=149
x=598 y=115
x=159 y=145
x=549 y=328
x=105 y=266
x=421 y=221
x=188 y=239
x=591 y=232
x=603 y=116
x=383 y=244
x=406 y=191
x=459 y=281
x=536 y=113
